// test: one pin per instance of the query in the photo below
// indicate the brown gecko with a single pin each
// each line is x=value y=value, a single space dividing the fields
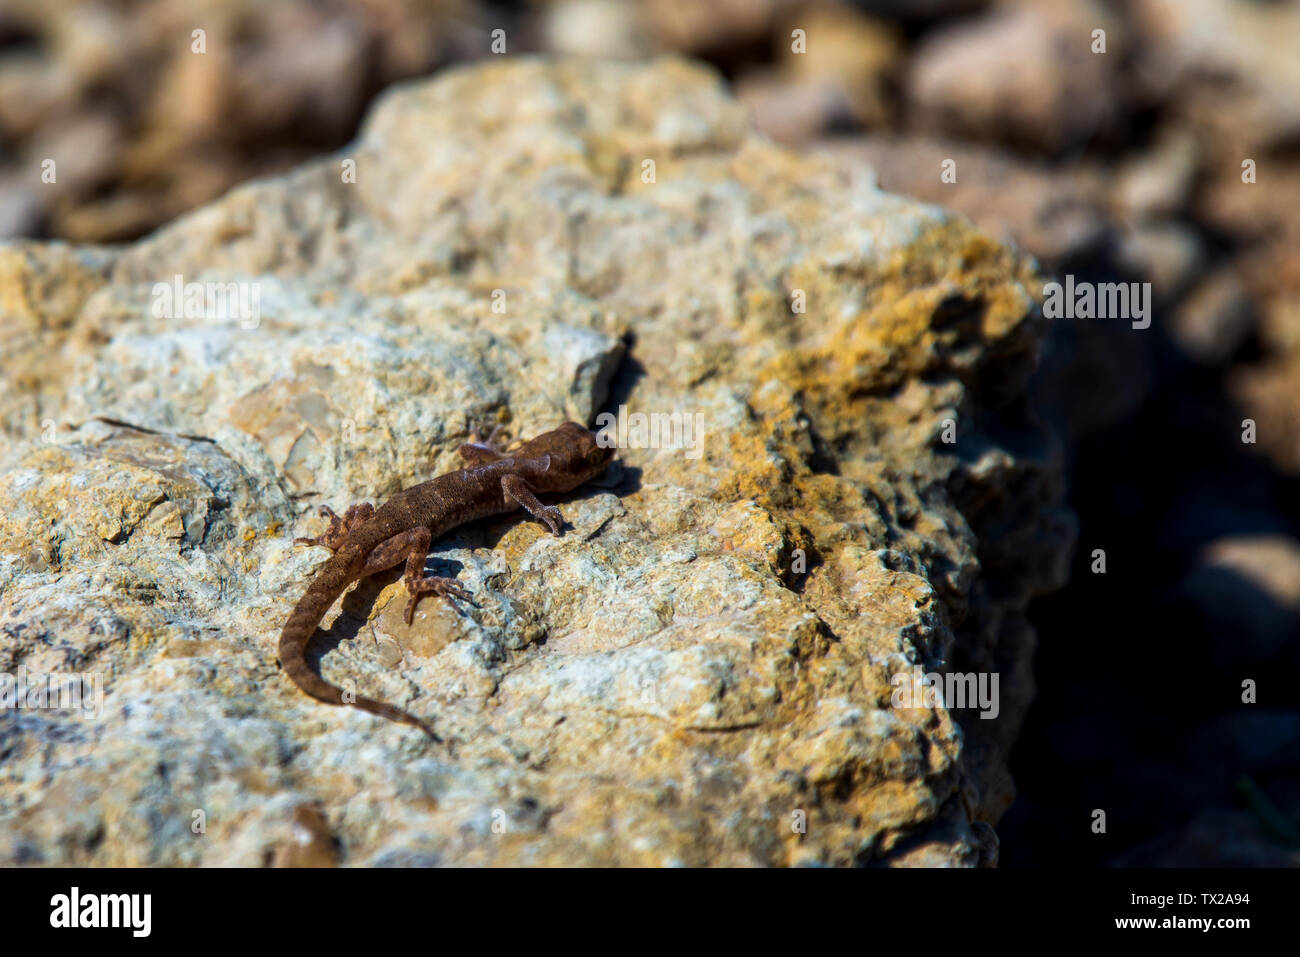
x=367 y=540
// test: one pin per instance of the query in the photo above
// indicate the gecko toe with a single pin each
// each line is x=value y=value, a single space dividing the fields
x=554 y=520
x=433 y=586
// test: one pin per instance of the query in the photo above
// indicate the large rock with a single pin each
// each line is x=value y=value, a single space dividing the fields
x=698 y=671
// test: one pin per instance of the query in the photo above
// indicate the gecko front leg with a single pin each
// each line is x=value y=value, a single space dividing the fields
x=337 y=533
x=516 y=489
x=412 y=547
x=481 y=451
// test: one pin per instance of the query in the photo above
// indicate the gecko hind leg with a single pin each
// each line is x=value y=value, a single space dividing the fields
x=412 y=547
x=337 y=533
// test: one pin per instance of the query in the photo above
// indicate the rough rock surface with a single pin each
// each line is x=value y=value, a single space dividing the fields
x=1054 y=217
x=699 y=664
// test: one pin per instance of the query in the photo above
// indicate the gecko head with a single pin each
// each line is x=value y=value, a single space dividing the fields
x=575 y=456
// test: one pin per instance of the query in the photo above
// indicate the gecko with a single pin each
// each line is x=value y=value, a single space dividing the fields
x=367 y=540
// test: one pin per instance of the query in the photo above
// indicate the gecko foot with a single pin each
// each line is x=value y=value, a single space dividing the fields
x=492 y=440
x=339 y=528
x=432 y=586
x=553 y=518
x=482 y=451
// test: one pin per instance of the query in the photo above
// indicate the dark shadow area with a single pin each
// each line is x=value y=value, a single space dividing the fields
x=1140 y=669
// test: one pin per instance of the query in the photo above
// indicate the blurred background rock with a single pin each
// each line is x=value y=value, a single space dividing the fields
x=1122 y=165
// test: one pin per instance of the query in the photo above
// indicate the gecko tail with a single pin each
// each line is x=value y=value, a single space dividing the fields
x=299 y=629
x=394 y=713
x=301 y=674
